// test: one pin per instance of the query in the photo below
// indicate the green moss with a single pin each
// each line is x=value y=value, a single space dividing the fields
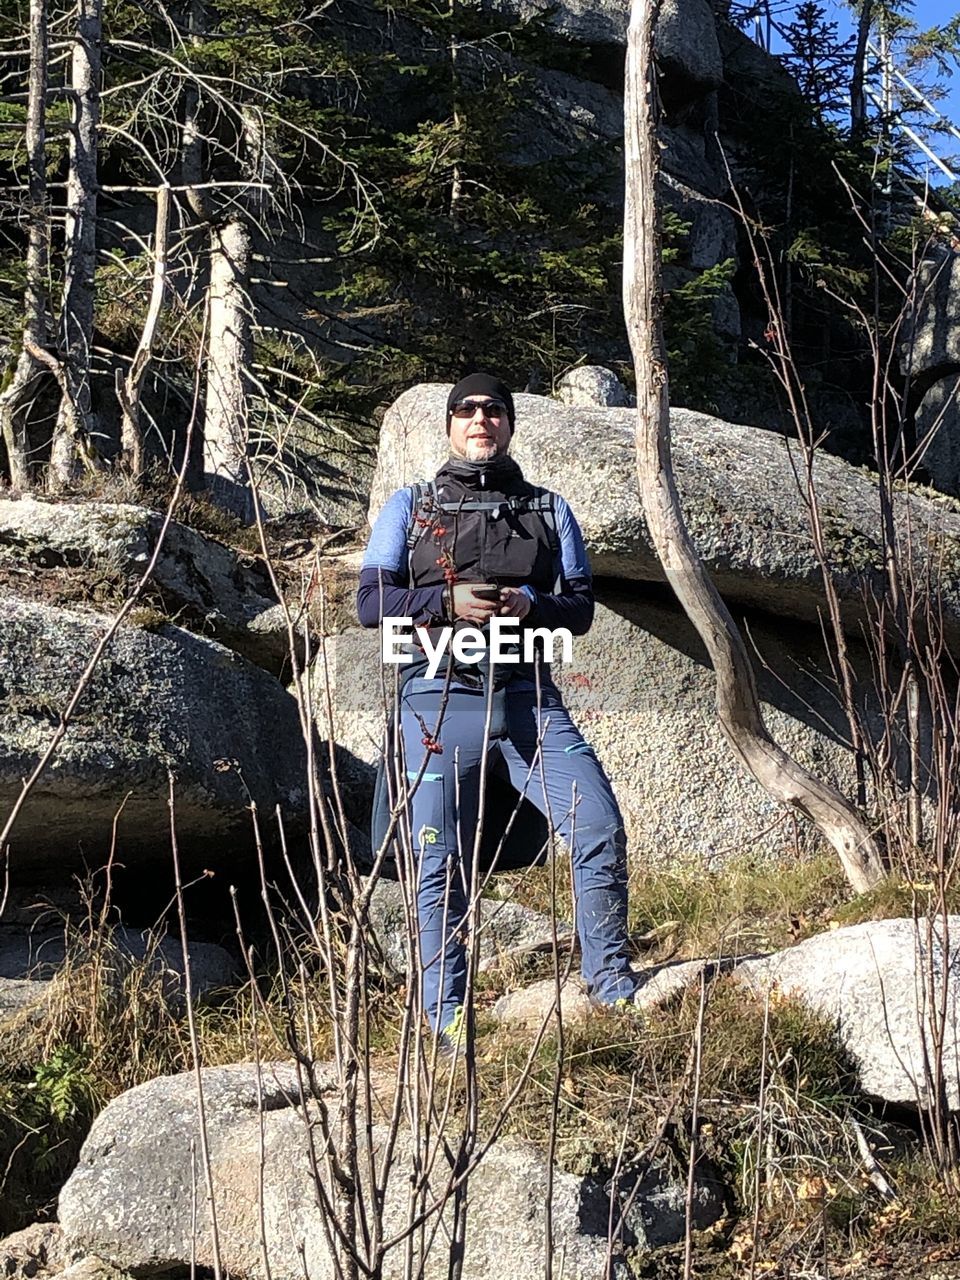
x=148 y=618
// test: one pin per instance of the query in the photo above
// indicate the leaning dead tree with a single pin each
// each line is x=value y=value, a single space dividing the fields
x=129 y=388
x=738 y=706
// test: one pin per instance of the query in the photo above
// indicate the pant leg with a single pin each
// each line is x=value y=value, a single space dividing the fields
x=586 y=815
x=442 y=834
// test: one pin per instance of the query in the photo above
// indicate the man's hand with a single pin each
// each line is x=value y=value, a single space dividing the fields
x=471 y=607
x=514 y=603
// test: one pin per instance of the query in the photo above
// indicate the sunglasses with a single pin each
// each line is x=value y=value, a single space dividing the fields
x=489 y=408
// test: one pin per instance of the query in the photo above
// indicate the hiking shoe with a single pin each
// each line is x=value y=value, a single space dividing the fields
x=625 y=1006
x=630 y=1005
x=452 y=1039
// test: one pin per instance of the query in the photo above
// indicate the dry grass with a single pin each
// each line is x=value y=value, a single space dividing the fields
x=747 y=905
x=789 y=1147
x=110 y=1021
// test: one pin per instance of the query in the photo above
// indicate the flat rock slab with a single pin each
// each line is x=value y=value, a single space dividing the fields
x=741 y=495
x=198 y=582
x=533 y=1006
x=871 y=979
x=131 y=1198
x=158 y=702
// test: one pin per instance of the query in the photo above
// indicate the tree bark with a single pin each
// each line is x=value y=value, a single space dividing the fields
x=229 y=328
x=128 y=389
x=75 y=426
x=16 y=397
x=738 y=706
x=229 y=349
x=456 y=175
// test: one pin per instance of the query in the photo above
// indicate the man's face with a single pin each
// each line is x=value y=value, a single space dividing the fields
x=476 y=435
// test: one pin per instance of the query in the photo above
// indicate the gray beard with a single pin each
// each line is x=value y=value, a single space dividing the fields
x=478 y=452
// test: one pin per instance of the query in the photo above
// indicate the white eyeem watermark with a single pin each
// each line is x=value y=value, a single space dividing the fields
x=470 y=645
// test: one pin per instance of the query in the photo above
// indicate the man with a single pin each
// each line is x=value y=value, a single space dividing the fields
x=479 y=542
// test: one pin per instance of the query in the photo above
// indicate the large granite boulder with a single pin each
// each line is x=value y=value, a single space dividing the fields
x=643 y=693
x=742 y=493
x=84 y=550
x=931 y=353
x=937 y=432
x=592 y=386
x=883 y=983
x=132 y=1197
x=157 y=702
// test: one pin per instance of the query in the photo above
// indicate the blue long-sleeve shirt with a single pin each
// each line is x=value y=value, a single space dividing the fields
x=384 y=589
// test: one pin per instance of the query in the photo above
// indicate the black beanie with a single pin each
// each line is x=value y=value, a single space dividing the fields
x=480 y=384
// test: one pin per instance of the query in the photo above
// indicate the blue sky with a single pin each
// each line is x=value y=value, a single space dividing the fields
x=926 y=14
x=930 y=13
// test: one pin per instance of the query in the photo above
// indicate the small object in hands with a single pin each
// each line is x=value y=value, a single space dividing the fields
x=486 y=591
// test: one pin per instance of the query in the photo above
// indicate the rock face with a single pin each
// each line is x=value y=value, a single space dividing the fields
x=686 y=43
x=643 y=694
x=937 y=429
x=170 y=700
x=740 y=493
x=883 y=982
x=686 y=35
x=129 y=1200
x=748 y=517
x=198 y=582
x=934 y=337
x=931 y=353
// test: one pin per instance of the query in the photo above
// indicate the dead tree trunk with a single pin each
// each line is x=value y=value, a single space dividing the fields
x=16 y=398
x=737 y=703
x=229 y=324
x=75 y=426
x=229 y=350
x=128 y=389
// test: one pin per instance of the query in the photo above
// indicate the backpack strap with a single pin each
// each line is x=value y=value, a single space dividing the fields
x=542 y=501
x=423 y=503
